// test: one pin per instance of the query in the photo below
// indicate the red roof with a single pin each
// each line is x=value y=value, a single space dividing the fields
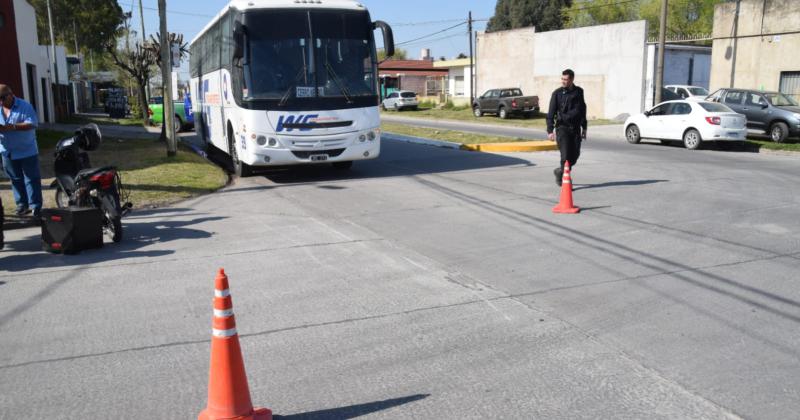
x=425 y=68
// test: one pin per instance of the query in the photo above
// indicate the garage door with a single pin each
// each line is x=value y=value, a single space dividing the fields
x=790 y=84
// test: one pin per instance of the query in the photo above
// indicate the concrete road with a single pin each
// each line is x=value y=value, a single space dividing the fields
x=433 y=284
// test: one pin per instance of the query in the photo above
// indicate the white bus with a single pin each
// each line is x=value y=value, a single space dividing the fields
x=288 y=82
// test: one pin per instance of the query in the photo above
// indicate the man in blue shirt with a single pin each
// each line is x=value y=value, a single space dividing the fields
x=20 y=152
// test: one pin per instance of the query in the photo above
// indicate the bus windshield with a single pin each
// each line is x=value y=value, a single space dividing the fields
x=294 y=55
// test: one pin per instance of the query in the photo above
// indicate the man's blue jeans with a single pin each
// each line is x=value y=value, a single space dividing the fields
x=26 y=181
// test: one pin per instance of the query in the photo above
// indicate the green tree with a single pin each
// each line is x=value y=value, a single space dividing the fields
x=684 y=17
x=94 y=23
x=545 y=15
x=399 y=54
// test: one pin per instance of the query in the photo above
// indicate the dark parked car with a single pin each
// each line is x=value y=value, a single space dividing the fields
x=774 y=113
x=506 y=102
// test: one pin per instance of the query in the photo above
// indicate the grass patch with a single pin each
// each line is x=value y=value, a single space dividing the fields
x=446 y=135
x=152 y=178
x=85 y=119
x=789 y=146
x=465 y=114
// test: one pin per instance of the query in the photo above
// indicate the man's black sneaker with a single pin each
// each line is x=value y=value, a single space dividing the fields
x=559 y=173
x=22 y=211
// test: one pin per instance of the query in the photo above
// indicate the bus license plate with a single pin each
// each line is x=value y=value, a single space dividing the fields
x=318 y=158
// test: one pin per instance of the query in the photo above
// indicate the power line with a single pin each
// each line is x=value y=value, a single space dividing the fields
x=432 y=34
x=430 y=41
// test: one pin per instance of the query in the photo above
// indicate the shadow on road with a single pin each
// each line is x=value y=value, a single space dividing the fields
x=138 y=233
x=353 y=411
x=618 y=184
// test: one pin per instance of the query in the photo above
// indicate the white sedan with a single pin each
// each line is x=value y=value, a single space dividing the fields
x=401 y=100
x=688 y=121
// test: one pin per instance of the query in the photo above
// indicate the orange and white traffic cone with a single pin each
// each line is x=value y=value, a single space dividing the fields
x=565 y=204
x=228 y=393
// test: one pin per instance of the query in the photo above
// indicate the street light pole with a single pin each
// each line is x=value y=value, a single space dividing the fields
x=166 y=80
x=662 y=41
x=54 y=60
x=471 y=64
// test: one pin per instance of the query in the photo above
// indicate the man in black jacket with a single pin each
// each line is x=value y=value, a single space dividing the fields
x=567 y=116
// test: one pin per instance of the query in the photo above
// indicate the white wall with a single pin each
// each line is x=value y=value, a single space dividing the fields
x=608 y=60
x=30 y=52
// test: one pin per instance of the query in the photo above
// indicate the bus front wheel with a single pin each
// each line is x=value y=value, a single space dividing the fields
x=240 y=168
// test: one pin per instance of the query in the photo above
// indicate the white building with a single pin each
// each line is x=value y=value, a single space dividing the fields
x=29 y=70
x=458 y=84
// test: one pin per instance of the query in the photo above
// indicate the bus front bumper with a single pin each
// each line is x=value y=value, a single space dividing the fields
x=261 y=156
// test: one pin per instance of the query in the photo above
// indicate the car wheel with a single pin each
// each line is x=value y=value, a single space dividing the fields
x=177 y=124
x=632 y=134
x=477 y=112
x=779 y=132
x=692 y=139
x=383 y=106
x=503 y=113
x=396 y=107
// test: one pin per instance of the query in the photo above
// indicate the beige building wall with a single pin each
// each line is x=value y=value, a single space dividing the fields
x=760 y=59
x=609 y=62
x=505 y=60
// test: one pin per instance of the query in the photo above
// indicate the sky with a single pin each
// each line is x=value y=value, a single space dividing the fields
x=410 y=19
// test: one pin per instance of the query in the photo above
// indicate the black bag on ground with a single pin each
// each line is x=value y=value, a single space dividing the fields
x=71 y=230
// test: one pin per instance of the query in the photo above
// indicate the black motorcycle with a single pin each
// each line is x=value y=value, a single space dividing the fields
x=78 y=184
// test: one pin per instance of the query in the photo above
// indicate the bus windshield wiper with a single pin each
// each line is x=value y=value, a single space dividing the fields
x=293 y=85
x=338 y=82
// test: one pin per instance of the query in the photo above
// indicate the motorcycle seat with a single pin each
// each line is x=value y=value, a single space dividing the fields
x=85 y=173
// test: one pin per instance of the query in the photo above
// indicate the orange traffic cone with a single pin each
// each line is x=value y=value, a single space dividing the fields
x=228 y=393
x=565 y=204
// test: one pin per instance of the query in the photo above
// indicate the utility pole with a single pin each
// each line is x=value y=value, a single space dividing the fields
x=144 y=39
x=166 y=81
x=735 y=43
x=662 y=41
x=54 y=60
x=471 y=63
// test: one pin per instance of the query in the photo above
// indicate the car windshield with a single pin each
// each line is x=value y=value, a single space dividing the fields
x=284 y=62
x=715 y=107
x=408 y=95
x=698 y=91
x=779 y=99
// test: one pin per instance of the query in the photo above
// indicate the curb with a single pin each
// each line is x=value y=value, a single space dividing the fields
x=520 y=146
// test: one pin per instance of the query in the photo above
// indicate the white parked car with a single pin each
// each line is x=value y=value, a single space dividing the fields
x=688 y=121
x=690 y=93
x=400 y=100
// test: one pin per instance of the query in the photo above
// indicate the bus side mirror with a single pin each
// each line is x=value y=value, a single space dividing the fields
x=388 y=36
x=238 y=40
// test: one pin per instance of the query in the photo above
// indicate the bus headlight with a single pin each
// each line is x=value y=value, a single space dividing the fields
x=362 y=138
x=269 y=142
x=371 y=136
